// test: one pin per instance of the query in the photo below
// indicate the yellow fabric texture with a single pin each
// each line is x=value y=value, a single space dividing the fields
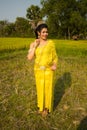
x=45 y=56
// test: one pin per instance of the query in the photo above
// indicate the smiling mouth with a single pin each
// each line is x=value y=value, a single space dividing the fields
x=45 y=36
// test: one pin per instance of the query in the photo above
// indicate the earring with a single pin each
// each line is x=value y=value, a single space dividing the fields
x=38 y=36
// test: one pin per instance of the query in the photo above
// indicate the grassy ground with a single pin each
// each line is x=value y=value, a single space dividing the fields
x=18 y=109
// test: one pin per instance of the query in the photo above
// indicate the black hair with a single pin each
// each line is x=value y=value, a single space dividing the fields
x=39 y=28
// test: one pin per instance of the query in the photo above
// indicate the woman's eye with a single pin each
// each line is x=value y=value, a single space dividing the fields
x=45 y=32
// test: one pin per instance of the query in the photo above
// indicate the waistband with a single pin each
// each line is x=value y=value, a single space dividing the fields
x=42 y=67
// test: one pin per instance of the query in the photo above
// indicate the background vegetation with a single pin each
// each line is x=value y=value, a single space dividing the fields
x=66 y=19
x=18 y=109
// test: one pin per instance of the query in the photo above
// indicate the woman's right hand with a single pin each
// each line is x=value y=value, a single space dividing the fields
x=31 y=51
x=36 y=43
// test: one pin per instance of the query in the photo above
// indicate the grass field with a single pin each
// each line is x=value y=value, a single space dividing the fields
x=18 y=109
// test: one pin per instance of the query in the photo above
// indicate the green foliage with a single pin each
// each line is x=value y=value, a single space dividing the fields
x=23 y=27
x=65 y=18
x=34 y=14
x=9 y=30
x=3 y=25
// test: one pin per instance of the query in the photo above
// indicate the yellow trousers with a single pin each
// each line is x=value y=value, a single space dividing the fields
x=45 y=89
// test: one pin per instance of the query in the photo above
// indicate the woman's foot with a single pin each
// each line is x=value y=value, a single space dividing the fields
x=38 y=111
x=45 y=112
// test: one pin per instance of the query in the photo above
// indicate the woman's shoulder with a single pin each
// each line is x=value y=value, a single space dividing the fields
x=51 y=42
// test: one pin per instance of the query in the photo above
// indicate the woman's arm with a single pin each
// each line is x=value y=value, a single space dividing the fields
x=31 y=51
x=55 y=58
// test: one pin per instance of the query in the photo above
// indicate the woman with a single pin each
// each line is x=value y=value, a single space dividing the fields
x=44 y=68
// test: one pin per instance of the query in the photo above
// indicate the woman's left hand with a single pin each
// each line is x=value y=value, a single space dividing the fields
x=53 y=67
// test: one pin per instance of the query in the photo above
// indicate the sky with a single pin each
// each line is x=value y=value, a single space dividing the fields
x=11 y=9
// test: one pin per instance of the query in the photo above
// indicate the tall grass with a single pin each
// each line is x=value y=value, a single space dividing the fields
x=64 y=47
x=8 y=44
x=18 y=109
x=14 y=45
x=72 y=48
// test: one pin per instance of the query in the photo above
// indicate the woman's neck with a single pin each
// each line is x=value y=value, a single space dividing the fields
x=42 y=41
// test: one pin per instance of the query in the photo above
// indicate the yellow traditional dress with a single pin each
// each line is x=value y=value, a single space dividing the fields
x=45 y=56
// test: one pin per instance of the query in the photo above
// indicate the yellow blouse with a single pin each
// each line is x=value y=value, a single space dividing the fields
x=46 y=55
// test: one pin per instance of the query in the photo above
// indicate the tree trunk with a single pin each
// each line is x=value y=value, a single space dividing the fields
x=68 y=33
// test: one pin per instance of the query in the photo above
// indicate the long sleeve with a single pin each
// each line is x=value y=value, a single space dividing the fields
x=54 y=54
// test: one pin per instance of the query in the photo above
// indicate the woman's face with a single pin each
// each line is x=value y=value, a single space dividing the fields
x=44 y=33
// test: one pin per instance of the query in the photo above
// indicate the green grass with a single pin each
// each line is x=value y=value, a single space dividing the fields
x=18 y=109
x=71 y=48
x=12 y=44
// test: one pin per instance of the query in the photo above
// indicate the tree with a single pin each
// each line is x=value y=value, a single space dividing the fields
x=65 y=17
x=22 y=27
x=3 y=24
x=34 y=14
x=9 y=30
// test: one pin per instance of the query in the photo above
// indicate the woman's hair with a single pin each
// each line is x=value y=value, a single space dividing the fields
x=39 y=28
